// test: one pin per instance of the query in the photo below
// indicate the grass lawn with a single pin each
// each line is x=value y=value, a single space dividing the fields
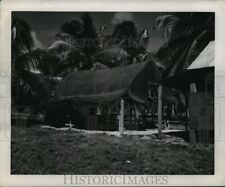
x=45 y=151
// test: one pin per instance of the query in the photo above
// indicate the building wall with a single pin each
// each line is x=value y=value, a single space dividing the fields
x=201 y=108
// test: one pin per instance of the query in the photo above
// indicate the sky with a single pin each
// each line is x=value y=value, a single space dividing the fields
x=45 y=25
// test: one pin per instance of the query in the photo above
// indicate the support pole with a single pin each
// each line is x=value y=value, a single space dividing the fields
x=152 y=112
x=121 y=117
x=160 y=111
x=186 y=112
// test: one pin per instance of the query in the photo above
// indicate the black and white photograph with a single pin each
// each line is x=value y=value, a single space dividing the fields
x=112 y=93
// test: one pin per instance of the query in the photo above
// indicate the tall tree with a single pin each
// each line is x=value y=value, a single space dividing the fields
x=28 y=87
x=126 y=45
x=126 y=35
x=21 y=38
x=82 y=38
x=187 y=34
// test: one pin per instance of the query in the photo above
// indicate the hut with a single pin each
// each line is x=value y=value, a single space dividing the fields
x=197 y=80
x=97 y=96
x=201 y=100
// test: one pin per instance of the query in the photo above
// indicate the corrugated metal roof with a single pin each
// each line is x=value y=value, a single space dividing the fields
x=205 y=59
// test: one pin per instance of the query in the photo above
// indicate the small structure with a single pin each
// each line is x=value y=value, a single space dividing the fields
x=99 y=96
x=201 y=101
x=198 y=83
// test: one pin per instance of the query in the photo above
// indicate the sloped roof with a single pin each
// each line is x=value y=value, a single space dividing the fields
x=205 y=59
x=177 y=55
x=200 y=67
x=107 y=85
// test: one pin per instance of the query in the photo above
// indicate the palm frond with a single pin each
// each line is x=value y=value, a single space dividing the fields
x=166 y=24
x=30 y=61
x=111 y=57
x=21 y=34
x=36 y=87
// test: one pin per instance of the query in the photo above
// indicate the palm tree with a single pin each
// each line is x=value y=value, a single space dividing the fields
x=21 y=42
x=80 y=37
x=21 y=38
x=28 y=84
x=126 y=45
x=127 y=36
x=111 y=57
x=39 y=71
x=187 y=34
x=29 y=71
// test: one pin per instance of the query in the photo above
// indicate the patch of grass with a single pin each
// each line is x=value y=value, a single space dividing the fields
x=42 y=151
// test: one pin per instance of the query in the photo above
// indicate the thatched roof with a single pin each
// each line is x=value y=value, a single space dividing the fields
x=108 y=85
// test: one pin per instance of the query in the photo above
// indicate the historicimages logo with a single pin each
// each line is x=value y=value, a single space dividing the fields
x=105 y=180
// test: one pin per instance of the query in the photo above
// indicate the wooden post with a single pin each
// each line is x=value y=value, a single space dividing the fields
x=173 y=110
x=186 y=112
x=121 y=117
x=159 y=111
x=152 y=112
x=192 y=133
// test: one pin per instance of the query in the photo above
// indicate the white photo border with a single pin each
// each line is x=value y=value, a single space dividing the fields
x=7 y=6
